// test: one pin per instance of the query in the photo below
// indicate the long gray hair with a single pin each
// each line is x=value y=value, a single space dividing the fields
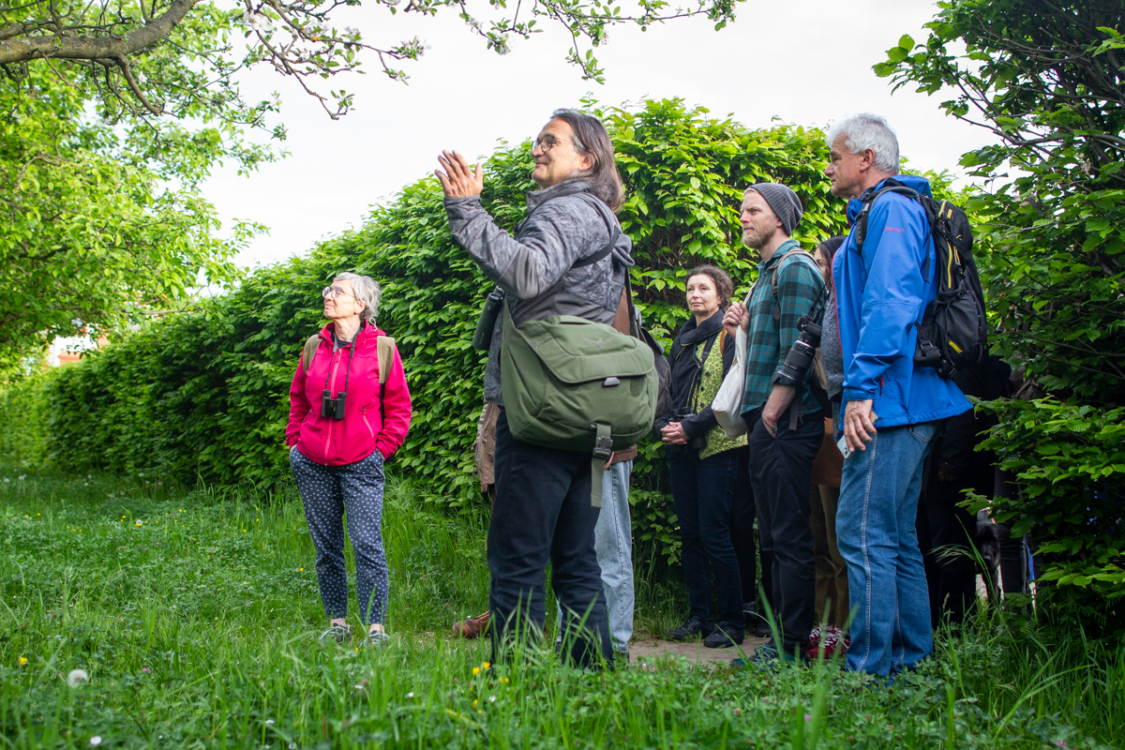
x=367 y=291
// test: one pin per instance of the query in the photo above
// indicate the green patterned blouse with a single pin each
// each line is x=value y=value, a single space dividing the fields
x=709 y=383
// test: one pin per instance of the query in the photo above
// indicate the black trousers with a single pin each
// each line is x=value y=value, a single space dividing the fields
x=542 y=513
x=946 y=532
x=702 y=489
x=746 y=547
x=781 y=472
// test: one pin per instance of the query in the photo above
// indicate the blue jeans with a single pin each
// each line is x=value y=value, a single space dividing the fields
x=542 y=513
x=613 y=542
x=701 y=490
x=326 y=492
x=875 y=530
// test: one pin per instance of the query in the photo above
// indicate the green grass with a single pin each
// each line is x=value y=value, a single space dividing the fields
x=195 y=615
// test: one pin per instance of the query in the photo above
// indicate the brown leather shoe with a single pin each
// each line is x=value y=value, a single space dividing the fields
x=472 y=627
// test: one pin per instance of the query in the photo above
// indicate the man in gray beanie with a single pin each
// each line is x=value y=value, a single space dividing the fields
x=783 y=411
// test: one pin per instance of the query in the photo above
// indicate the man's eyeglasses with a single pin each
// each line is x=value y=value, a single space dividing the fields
x=547 y=142
x=334 y=292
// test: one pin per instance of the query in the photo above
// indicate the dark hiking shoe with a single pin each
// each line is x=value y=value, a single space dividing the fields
x=768 y=657
x=336 y=634
x=694 y=626
x=725 y=636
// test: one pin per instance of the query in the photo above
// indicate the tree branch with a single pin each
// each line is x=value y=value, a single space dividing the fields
x=123 y=63
x=93 y=48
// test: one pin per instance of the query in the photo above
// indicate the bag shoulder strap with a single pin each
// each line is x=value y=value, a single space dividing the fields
x=892 y=186
x=385 y=348
x=773 y=283
x=307 y=354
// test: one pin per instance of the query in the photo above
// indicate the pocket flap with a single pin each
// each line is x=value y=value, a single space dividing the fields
x=577 y=350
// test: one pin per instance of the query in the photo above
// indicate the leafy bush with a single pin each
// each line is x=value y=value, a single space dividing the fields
x=1038 y=75
x=205 y=394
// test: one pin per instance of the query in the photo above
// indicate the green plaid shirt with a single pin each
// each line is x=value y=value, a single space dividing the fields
x=799 y=283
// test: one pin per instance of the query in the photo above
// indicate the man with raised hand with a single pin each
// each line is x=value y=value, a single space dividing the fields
x=542 y=511
x=884 y=281
x=785 y=418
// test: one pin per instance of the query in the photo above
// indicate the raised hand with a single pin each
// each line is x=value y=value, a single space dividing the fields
x=458 y=179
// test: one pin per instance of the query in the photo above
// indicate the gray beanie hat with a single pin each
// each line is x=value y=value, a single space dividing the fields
x=784 y=202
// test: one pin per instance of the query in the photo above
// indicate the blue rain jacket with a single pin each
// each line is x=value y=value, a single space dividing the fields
x=880 y=297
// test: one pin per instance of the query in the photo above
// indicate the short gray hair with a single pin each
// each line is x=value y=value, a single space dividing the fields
x=868 y=131
x=367 y=291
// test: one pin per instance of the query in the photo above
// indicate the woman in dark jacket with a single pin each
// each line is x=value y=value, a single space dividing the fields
x=704 y=461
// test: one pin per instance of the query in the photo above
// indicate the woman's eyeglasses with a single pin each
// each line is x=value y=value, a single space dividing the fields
x=334 y=292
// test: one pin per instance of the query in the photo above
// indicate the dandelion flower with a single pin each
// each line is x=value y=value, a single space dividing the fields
x=485 y=665
x=23 y=660
x=139 y=523
x=76 y=677
x=476 y=670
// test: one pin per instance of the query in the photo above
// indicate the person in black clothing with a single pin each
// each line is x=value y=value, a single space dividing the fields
x=945 y=529
x=704 y=462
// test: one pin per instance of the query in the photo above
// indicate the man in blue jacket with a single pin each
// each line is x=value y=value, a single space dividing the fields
x=881 y=295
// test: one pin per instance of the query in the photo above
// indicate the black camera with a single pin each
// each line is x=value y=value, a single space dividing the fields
x=800 y=357
x=333 y=408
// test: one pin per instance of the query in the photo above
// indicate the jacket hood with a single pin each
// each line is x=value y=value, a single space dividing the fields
x=918 y=184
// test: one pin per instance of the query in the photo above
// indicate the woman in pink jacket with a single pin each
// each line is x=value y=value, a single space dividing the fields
x=342 y=425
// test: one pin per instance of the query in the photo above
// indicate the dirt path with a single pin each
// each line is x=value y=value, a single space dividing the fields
x=652 y=648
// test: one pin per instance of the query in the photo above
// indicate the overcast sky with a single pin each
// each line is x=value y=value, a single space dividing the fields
x=806 y=62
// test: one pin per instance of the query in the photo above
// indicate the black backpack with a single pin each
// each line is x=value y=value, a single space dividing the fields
x=953 y=334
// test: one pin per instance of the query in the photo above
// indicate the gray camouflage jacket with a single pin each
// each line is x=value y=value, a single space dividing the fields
x=565 y=222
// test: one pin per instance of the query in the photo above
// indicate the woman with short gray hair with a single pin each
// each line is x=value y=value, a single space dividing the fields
x=349 y=410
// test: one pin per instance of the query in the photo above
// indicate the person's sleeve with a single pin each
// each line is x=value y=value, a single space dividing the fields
x=798 y=288
x=893 y=295
x=298 y=405
x=547 y=248
x=662 y=420
x=397 y=410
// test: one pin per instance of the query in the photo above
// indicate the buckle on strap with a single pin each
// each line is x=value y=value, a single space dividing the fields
x=603 y=443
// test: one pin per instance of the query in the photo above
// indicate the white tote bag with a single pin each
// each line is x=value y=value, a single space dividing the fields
x=727 y=406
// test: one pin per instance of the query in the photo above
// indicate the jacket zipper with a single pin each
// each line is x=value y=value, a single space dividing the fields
x=363 y=415
x=331 y=384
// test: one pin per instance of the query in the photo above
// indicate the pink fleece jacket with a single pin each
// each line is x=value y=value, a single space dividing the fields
x=364 y=428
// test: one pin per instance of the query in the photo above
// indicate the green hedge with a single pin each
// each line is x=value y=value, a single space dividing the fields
x=204 y=395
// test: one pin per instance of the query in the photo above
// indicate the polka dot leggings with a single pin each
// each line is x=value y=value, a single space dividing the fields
x=327 y=491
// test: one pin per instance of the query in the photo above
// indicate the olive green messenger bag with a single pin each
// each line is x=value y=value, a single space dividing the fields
x=574 y=384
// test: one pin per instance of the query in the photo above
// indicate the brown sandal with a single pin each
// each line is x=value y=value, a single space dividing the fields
x=472 y=627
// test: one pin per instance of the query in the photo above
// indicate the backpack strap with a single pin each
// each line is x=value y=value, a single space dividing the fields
x=773 y=285
x=307 y=354
x=385 y=346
